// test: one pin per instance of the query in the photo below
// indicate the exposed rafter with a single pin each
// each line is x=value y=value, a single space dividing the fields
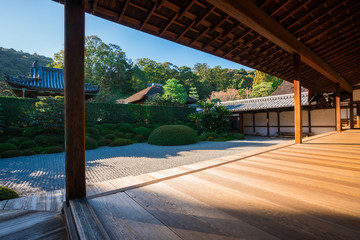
x=251 y=15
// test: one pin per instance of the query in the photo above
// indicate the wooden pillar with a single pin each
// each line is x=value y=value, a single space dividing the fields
x=74 y=100
x=358 y=115
x=297 y=99
x=241 y=118
x=278 y=122
x=309 y=119
x=267 y=124
x=254 y=123
x=338 y=109
x=351 y=106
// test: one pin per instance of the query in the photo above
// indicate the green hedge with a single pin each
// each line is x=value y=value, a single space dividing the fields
x=16 y=111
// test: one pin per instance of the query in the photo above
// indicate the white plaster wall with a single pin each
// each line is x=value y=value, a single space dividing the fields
x=248 y=122
x=273 y=124
x=322 y=117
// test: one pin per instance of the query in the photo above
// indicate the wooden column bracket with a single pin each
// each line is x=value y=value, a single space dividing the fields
x=297 y=99
x=74 y=100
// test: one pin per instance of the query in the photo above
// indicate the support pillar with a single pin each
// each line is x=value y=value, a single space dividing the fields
x=297 y=99
x=338 y=109
x=254 y=123
x=241 y=128
x=309 y=119
x=278 y=122
x=74 y=45
x=351 y=107
x=267 y=124
x=358 y=115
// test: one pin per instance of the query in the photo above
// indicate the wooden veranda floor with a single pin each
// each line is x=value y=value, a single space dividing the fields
x=308 y=191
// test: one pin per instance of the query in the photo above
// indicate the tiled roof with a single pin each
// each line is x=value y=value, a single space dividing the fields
x=270 y=102
x=45 y=78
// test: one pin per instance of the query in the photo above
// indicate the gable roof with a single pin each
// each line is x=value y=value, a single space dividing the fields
x=286 y=88
x=262 y=103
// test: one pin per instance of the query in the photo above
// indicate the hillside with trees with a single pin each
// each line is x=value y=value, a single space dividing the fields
x=120 y=77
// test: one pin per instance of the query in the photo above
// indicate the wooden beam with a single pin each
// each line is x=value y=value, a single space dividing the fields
x=351 y=106
x=338 y=109
x=248 y=13
x=297 y=99
x=74 y=100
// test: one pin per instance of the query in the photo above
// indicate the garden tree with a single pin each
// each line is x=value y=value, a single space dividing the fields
x=155 y=72
x=261 y=90
x=193 y=93
x=187 y=77
x=213 y=118
x=228 y=95
x=138 y=80
x=202 y=72
x=58 y=60
x=174 y=92
x=155 y=100
x=259 y=78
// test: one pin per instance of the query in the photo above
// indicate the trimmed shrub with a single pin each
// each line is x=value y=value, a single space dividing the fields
x=172 y=135
x=7 y=193
x=211 y=138
x=140 y=138
x=99 y=127
x=129 y=135
x=210 y=134
x=23 y=139
x=4 y=138
x=14 y=141
x=145 y=132
x=120 y=142
x=239 y=136
x=37 y=149
x=28 y=152
x=92 y=132
x=11 y=153
x=29 y=132
x=126 y=128
x=109 y=126
x=54 y=149
x=202 y=138
x=106 y=132
x=104 y=142
x=46 y=140
x=13 y=131
x=120 y=135
x=222 y=139
x=7 y=146
x=110 y=136
x=90 y=143
x=27 y=144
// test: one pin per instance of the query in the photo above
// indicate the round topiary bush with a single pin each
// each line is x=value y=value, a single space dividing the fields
x=120 y=142
x=99 y=127
x=140 y=138
x=7 y=193
x=4 y=138
x=145 y=132
x=13 y=131
x=92 y=132
x=129 y=135
x=28 y=152
x=109 y=126
x=29 y=132
x=110 y=136
x=11 y=153
x=126 y=128
x=54 y=149
x=23 y=139
x=120 y=135
x=14 y=141
x=7 y=146
x=104 y=142
x=27 y=144
x=47 y=140
x=37 y=149
x=172 y=135
x=90 y=143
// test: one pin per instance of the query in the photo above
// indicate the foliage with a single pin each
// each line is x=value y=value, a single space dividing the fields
x=7 y=146
x=110 y=136
x=120 y=142
x=11 y=153
x=172 y=135
x=143 y=131
x=14 y=141
x=28 y=152
x=7 y=193
x=140 y=138
x=174 y=92
x=239 y=136
x=228 y=95
x=155 y=100
x=129 y=135
x=13 y=131
x=15 y=111
x=261 y=90
x=92 y=132
x=193 y=93
x=48 y=113
x=58 y=60
x=27 y=144
x=47 y=140
x=104 y=142
x=126 y=128
x=90 y=143
x=213 y=118
x=29 y=132
x=54 y=149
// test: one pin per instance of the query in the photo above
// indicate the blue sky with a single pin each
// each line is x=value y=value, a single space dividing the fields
x=36 y=26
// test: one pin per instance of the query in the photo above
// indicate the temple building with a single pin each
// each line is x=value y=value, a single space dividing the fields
x=43 y=81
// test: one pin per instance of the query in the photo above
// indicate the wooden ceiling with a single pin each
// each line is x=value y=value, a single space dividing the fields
x=262 y=37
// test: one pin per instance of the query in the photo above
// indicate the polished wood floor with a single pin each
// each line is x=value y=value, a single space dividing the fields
x=308 y=191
